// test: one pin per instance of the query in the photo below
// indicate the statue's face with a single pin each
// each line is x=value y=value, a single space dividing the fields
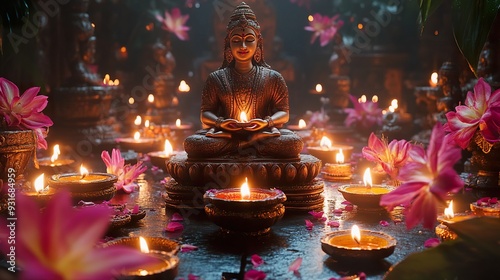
x=243 y=42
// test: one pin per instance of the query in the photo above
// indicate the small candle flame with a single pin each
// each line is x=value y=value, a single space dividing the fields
x=394 y=103
x=243 y=117
x=143 y=245
x=362 y=99
x=117 y=82
x=391 y=109
x=356 y=233
x=138 y=120
x=151 y=98
x=374 y=99
x=178 y=123
x=245 y=190
x=137 y=135
x=319 y=88
x=339 y=157
x=434 y=79
x=168 y=150
x=184 y=87
x=106 y=79
x=448 y=211
x=325 y=143
x=39 y=183
x=175 y=101
x=56 y=153
x=83 y=171
x=302 y=123
x=367 y=178
x=131 y=101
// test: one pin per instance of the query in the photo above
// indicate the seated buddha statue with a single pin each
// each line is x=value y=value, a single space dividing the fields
x=244 y=103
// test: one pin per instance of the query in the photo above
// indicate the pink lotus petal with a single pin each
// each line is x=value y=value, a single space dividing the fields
x=338 y=211
x=362 y=276
x=483 y=201
x=193 y=277
x=254 y=275
x=309 y=225
x=384 y=223
x=431 y=242
x=493 y=200
x=256 y=260
x=176 y=217
x=349 y=207
x=333 y=224
x=295 y=265
x=345 y=202
x=188 y=248
x=174 y=226
x=136 y=209
x=317 y=214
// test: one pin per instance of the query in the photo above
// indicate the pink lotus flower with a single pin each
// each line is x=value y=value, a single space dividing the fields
x=364 y=115
x=480 y=112
x=115 y=164
x=174 y=22
x=309 y=224
x=427 y=181
x=254 y=275
x=389 y=157
x=324 y=27
x=60 y=242
x=24 y=112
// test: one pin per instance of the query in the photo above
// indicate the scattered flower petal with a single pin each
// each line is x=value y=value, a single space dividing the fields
x=338 y=211
x=318 y=215
x=254 y=275
x=349 y=207
x=493 y=200
x=333 y=224
x=295 y=265
x=256 y=260
x=345 y=202
x=174 y=226
x=431 y=242
x=384 y=223
x=188 y=248
x=362 y=276
x=309 y=225
x=176 y=217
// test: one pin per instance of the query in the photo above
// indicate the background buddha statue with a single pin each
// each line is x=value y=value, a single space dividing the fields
x=244 y=84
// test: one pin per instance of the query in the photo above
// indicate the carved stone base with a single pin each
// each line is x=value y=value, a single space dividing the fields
x=266 y=173
x=303 y=197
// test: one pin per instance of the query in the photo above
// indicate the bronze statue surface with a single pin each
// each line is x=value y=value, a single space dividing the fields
x=245 y=102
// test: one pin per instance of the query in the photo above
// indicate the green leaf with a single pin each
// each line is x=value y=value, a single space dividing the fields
x=469 y=257
x=472 y=22
x=427 y=7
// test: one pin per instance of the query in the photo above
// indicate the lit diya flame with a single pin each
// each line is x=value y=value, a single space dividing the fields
x=138 y=120
x=448 y=211
x=243 y=117
x=40 y=183
x=106 y=79
x=168 y=150
x=394 y=105
x=184 y=87
x=302 y=123
x=131 y=101
x=151 y=98
x=362 y=99
x=117 y=82
x=339 y=157
x=143 y=245
x=367 y=178
x=56 y=153
x=374 y=99
x=137 y=135
x=325 y=143
x=83 y=171
x=319 y=88
x=434 y=79
x=146 y=123
x=245 y=190
x=356 y=233
x=178 y=123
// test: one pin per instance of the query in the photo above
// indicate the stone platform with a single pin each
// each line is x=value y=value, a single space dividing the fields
x=296 y=178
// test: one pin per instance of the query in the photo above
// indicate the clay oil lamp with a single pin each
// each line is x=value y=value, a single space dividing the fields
x=244 y=210
x=55 y=164
x=358 y=245
x=302 y=125
x=40 y=192
x=450 y=217
x=138 y=144
x=86 y=186
x=366 y=196
x=326 y=151
x=158 y=158
x=486 y=206
x=338 y=171
x=165 y=266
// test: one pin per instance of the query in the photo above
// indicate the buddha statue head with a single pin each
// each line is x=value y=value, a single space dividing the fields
x=243 y=17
